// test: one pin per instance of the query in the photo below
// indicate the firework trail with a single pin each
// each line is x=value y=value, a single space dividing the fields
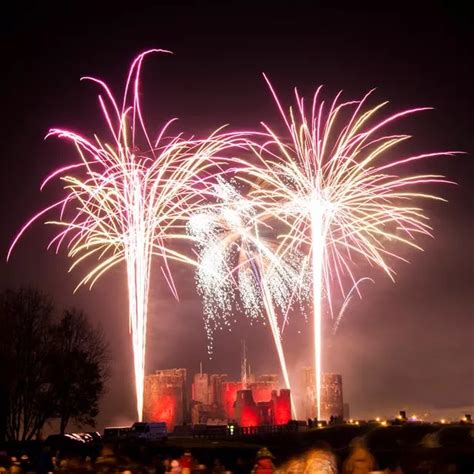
x=127 y=201
x=234 y=255
x=335 y=186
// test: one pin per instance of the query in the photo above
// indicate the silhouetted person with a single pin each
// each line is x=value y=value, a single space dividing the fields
x=175 y=467
x=263 y=462
x=45 y=462
x=107 y=461
x=167 y=464
x=318 y=460
x=360 y=460
x=4 y=461
x=186 y=462
x=218 y=467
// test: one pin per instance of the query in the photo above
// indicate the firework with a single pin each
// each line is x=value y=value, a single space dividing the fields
x=126 y=201
x=234 y=254
x=341 y=196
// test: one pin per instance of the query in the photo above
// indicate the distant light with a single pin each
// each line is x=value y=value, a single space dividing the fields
x=356 y=422
x=320 y=425
x=351 y=421
x=443 y=421
x=383 y=423
x=377 y=419
x=464 y=418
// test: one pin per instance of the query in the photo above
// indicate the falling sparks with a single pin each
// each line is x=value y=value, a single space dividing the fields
x=127 y=201
x=340 y=198
x=317 y=203
x=233 y=255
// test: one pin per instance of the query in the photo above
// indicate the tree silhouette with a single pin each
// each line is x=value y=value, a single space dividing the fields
x=26 y=322
x=48 y=368
x=79 y=369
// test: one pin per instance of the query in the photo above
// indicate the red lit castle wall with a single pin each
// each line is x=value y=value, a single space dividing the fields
x=229 y=395
x=215 y=390
x=275 y=411
x=165 y=397
x=262 y=391
x=200 y=388
x=246 y=410
x=281 y=407
x=163 y=409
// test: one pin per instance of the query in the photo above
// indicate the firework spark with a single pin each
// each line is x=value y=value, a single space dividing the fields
x=234 y=255
x=340 y=196
x=127 y=200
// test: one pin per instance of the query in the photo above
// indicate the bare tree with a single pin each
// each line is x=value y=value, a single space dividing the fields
x=25 y=319
x=48 y=368
x=79 y=369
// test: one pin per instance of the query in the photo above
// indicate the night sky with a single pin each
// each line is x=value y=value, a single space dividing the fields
x=404 y=345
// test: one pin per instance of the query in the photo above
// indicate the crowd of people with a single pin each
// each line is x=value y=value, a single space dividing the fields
x=322 y=460
x=318 y=460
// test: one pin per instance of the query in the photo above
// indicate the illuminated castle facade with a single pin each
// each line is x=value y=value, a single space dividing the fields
x=215 y=400
x=165 y=397
x=332 y=402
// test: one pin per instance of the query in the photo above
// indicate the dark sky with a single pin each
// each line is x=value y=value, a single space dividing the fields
x=404 y=345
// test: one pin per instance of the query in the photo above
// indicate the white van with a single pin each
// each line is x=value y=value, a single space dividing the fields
x=150 y=431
